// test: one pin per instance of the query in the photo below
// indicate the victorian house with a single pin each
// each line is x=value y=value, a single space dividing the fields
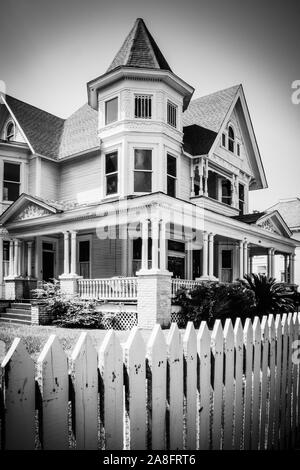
x=141 y=182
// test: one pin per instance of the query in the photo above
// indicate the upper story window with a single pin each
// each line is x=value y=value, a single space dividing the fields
x=171 y=175
x=231 y=139
x=111 y=173
x=238 y=149
x=172 y=114
x=143 y=106
x=224 y=139
x=11 y=181
x=226 y=191
x=142 y=171
x=10 y=131
x=241 y=198
x=111 y=111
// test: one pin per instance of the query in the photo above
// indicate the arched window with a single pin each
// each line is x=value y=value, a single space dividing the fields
x=10 y=131
x=231 y=138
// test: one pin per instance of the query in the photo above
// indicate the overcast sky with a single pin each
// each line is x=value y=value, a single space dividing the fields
x=49 y=49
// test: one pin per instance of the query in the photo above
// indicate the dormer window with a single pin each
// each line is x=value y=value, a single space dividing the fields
x=143 y=106
x=10 y=131
x=231 y=139
x=111 y=111
x=172 y=114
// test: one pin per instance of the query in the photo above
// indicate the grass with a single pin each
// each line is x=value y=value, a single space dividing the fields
x=35 y=337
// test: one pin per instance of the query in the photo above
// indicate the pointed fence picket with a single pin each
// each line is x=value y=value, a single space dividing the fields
x=229 y=388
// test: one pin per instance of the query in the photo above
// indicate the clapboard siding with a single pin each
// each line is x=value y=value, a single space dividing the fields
x=81 y=179
x=49 y=180
x=31 y=176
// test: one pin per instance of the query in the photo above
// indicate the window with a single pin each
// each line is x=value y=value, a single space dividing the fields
x=111 y=173
x=5 y=258
x=111 y=111
x=171 y=175
x=10 y=132
x=241 y=198
x=137 y=254
x=11 y=181
x=142 y=171
x=172 y=114
x=231 y=139
x=84 y=258
x=238 y=149
x=224 y=139
x=143 y=106
x=226 y=192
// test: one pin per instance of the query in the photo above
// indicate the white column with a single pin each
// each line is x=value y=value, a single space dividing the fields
x=145 y=236
x=273 y=263
x=270 y=262
x=29 y=259
x=155 y=235
x=192 y=181
x=292 y=268
x=204 y=255
x=241 y=259
x=201 y=178
x=66 y=253
x=73 y=252
x=245 y=257
x=286 y=273
x=162 y=246
x=206 y=178
x=16 y=257
x=11 y=258
x=211 y=255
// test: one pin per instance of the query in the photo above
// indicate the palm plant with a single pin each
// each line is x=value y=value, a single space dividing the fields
x=270 y=295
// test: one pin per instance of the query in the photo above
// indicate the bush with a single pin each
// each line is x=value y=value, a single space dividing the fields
x=68 y=312
x=214 y=300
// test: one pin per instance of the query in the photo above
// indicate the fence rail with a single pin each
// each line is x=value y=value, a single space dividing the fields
x=178 y=284
x=233 y=388
x=108 y=289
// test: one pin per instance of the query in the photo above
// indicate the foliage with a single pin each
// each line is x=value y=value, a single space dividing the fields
x=212 y=300
x=67 y=311
x=270 y=296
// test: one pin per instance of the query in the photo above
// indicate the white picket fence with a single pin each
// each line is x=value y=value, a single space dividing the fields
x=232 y=388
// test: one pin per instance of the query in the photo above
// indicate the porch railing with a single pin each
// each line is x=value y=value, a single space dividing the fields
x=108 y=289
x=178 y=284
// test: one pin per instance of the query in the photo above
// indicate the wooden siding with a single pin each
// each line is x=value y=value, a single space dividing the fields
x=49 y=180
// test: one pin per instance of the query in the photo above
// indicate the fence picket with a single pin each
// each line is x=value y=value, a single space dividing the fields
x=85 y=386
x=54 y=381
x=157 y=363
x=272 y=383
x=278 y=332
x=111 y=373
x=203 y=349
x=264 y=380
x=288 y=417
x=134 y=358
x=256 y=383
x=248 y=342
x=217 y=352
x=18 y=384
x=175 y=388
x=295 y=366
x=190 y=356
x=283 y=380
x=229 y=384
x=238 y=400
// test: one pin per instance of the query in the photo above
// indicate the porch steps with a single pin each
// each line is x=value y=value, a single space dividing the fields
x=18 y=313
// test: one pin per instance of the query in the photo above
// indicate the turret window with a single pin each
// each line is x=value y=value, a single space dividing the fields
x=111 y=173
x=172 y=114
x=142 y=171
x=143 y=106
x=111 y=111
x=10 y=132
x=171 y=175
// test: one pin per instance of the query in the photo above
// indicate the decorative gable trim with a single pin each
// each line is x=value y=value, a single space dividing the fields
x=273 y=222
x=27 y=207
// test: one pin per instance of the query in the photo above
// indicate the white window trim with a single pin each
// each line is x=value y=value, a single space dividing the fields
x=10 y=121
x=117 y=194
x=148 y=95
x=226 y=140
x=148 y=171
x=176 y=107
x=106 y=100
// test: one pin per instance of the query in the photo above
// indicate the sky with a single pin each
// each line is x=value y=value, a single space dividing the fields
x=49 y=50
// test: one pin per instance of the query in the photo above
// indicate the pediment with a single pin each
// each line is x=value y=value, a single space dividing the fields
x=27 y=208
x=274 y=223
x=30 y=211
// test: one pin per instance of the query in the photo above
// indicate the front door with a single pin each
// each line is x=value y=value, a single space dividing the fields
x=226 y=268
x=48 y=261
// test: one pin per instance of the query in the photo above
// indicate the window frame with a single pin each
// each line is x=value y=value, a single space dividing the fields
x=19 y=183
x=231 y=140
x=116 y=97
x=149 y=96
x=240 y=200
x=171 y=176
x=10 y=137
x=85 y=238
x=111 y=152
x=175 y=108
x=143 y=171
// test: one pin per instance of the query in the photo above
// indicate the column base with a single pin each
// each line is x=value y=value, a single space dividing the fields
x=68 y=284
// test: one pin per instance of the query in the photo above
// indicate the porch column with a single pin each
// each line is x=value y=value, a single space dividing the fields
x=155 y=234
x=211 y=255
x=16 y=257
x=66 y=253
x=201 y=179
x=145 y=236
x=270 y=262
x=292 y=268
x=245 y=257
x=162 y=246
x=241 y=259
x=73 y=252
x=250 y=264
x=286 y=268
x=29 y=259
x=273 y=263
x=206 y=178
x=11 y=258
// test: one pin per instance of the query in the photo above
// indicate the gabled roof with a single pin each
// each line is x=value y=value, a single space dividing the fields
x=139 y=50
x=289 y=210
x=42 y=130
x=46 y=207
x=271 y=221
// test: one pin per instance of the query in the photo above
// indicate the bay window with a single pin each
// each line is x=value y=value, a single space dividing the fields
x=171 y=175
x=142 y=171
x=111 y=173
